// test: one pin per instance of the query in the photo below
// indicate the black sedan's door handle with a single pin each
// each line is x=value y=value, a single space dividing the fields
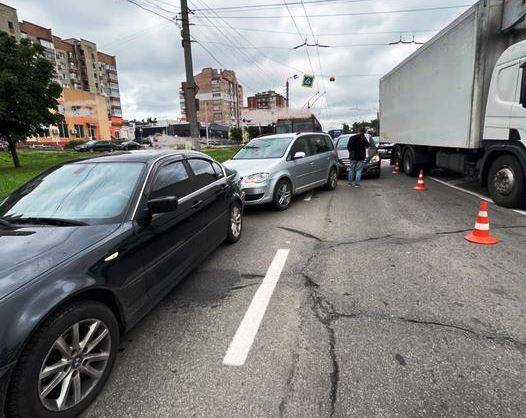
x=196 y=204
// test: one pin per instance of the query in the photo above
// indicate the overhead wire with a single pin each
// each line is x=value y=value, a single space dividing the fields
x=347 y=34
x=261 y=72
x=300 y=35
x=372 y=13
x=317 y=52
x=233 y=29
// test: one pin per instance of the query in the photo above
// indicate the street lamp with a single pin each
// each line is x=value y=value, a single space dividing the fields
x=294 y=77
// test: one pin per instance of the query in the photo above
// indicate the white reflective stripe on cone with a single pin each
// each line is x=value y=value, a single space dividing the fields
x=482 y=227
x=483 y=214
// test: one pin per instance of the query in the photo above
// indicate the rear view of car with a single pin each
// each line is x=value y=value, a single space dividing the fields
x=372 y=162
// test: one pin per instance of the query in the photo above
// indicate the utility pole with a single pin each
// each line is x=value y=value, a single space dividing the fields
x=189 y=86
x=206 y=124
x=287 y=88
x=287 y=94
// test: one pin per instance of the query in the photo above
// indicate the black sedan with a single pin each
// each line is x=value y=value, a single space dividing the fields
x=372 y=163
x=129 y=146
x=88 y=248
x=97 y=146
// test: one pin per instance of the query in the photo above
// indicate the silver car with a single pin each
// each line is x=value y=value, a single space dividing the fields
x=276 y=167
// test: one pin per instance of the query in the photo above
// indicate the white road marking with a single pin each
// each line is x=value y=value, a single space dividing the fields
x=308 y=197
x=240 y=345
x=487 y=199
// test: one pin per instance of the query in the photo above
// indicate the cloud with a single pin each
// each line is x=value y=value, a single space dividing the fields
x=150 y=57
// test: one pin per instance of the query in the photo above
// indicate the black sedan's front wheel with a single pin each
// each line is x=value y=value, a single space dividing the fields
x=66 y=363
x=235 y=223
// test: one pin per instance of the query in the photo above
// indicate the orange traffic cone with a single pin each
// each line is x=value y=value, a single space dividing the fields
x=481 y=233
x=420 y=185
x=396 y=170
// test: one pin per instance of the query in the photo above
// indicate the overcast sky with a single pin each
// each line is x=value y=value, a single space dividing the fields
x=150 y=57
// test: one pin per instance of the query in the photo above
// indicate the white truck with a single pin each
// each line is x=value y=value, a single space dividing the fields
x=459 y=101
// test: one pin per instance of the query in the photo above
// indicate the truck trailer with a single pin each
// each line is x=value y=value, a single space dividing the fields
x=459 y=101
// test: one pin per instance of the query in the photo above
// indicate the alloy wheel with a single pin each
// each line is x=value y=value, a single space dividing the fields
x=284 y=194
x=74 y=365
x=333 y=179
x=235 y=221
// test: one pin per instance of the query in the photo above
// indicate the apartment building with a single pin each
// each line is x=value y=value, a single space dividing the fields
x=9 y=21
x=220 y=97
x=266 y=100
x=78 y=63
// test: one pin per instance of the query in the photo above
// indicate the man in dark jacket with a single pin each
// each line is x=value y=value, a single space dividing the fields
x=357 y=147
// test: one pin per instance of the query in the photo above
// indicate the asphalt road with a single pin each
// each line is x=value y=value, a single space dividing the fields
x=381 y=309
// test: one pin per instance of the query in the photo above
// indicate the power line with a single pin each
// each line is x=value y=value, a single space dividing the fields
x=216 y=59
x=279 y=5
x=232 y=28
x=335 y=34
x=231 y=45
x=151 y=11
x=317 y=52
x=299 y=33
x=156 y=4
x=423 y=9
x=289 y=49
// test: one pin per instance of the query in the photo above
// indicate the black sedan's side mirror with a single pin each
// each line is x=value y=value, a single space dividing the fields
x=162 y=204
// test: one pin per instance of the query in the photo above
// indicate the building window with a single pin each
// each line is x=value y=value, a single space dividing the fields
x=92 y=130
x=11 y=27
x=63 y=130
x=80 y=131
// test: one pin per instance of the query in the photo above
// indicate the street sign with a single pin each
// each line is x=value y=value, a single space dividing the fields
x=308 y=80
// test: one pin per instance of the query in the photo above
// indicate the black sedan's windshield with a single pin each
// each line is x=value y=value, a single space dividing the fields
x=86 y=192
x=262 y=148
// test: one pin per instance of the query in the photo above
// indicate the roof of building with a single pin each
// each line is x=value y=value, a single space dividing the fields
x=37 y=31
x=106 y=58
x=60 y=44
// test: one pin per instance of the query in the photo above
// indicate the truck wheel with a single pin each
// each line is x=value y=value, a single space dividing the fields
x=409 y=163
x=396 y=155
x=506 y=182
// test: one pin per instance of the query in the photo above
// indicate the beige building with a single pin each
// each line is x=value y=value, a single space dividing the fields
x=220 y=97
x=9 y=21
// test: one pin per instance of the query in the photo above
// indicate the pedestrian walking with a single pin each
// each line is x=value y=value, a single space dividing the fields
x=357 y=147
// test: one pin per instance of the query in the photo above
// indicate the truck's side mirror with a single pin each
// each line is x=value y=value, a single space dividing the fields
x=522 y=99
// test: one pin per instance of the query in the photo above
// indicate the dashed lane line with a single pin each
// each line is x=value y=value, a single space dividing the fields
x=241 y=344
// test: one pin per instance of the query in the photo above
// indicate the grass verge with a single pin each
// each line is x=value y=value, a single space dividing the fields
x=34 y=162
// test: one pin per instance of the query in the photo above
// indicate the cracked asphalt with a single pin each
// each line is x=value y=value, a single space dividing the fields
x=382 y=309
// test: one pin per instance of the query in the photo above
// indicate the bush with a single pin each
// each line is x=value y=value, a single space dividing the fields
x=236 y=134
x=73 y=143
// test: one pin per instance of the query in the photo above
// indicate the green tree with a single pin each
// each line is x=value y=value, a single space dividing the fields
x=28 y=96
x=346 y=129
x=372 y=124
x=236 y=134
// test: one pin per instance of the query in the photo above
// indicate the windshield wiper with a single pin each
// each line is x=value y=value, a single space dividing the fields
x=46 y=221
x=6 y=223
